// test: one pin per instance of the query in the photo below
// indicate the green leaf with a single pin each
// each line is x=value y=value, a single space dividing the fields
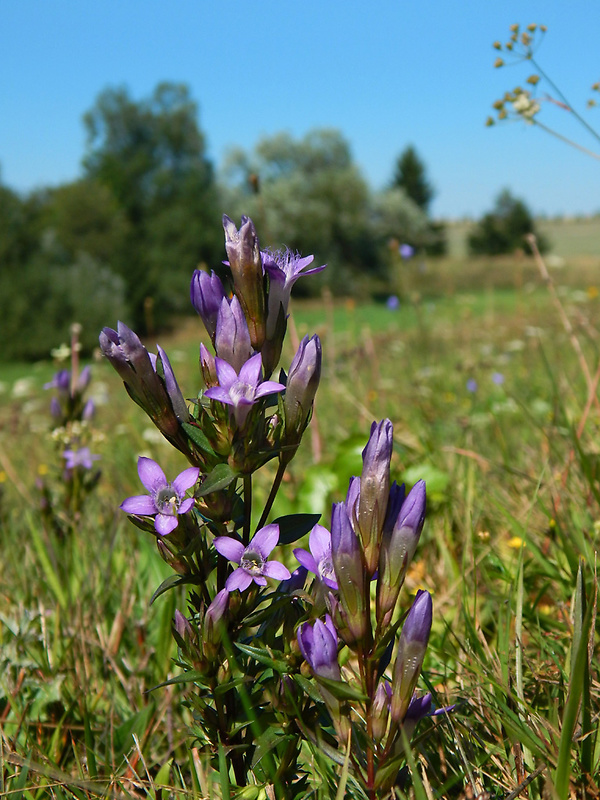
x=262 y=656
x=169 y=583
x=342 y=690
x=436 y=479
x=136 y=725
x=294 y=526
x=196 y=435
x=219 y=478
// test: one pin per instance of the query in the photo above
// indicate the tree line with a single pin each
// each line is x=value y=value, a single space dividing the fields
x=121 y=241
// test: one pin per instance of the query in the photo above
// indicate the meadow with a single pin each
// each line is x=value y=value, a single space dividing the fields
x=490 y=378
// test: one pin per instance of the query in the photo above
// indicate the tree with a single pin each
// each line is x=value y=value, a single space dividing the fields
x=308 y=194
x=503 y=230
x=410 y=176
x=151 y=155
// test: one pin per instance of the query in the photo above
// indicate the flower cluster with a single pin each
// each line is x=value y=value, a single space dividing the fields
x=255 y=630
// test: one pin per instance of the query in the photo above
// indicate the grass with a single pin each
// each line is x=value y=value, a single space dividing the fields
x=508 y=550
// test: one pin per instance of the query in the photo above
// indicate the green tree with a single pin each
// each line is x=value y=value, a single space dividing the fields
x=151 y=155
x=410 y=175
x=503 y=230
x=309 y=194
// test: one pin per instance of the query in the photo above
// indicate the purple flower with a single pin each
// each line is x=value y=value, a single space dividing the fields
x=243 y=390
x=406 y=251
x=349 y=571
x=283 y=268
x=302 y=383
x=498 y=378
x=165 y=500
x=471 y=385
x=318 y=644
x=247 y=270
x=411 y=652
x=61 y=381
x=252 y=560
x=79 y=458
x=393 y=302
x=207 y=293
x=318 y=560
x=232 y=337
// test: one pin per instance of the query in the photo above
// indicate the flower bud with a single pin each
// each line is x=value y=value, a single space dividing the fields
x=350 y=575
x=397 y=550
x=318 y=644
x=247 y=270
x=302 y=384
x=411 y=652
x=374 y=491
x=212 y=626
x=232 y=338
x=207 y=293
x=381 y=709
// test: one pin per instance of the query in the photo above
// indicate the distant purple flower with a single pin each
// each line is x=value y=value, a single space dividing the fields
x=61 y=381
x=393 y=302
x=165 y=500
x=406 y=251
x=318 y=560
x=252 y=560
x=498 y=378
x=243 y=390
x=283 y=268
x=471 y=385
x=318 y=644
x=79 y=458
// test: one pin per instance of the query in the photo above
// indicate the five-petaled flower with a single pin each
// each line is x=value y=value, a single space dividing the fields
x=319 y=559
x=252 y=560
x=241 y=390
x=165 y=500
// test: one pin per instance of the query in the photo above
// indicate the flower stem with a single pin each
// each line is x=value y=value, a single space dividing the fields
x=247 y=509
x=272 y=494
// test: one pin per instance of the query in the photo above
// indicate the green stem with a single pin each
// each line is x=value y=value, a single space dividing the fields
x=566 y=139
x=272 y=494
x=247 y=509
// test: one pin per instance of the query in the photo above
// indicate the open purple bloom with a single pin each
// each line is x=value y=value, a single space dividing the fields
x=318 y=560
x=79 y=458
x=165 y=500
x=406 y=251
x=252 y=560
x=318 y=644
x=243 y=390
x=471 y=385
x=283 y=268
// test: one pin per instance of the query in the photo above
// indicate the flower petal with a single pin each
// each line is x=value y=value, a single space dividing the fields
x=217 y=393
x=230 y=548
x=185 y=480
x=141 y=504
x=250 y=371
x=151 y=475
x=259 y=580
x=268 y=387
x=186 y=505
x=319 y=542
x=239 y=579
x=226 y=374
x=265 y=540
x=305 y=558
x=165 y=524
x=274 y=569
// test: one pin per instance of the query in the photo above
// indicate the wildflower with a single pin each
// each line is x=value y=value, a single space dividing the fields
x=283 y=268
x=398 y=548
x=302 y=383
x=498 y=378
x=211 y=627
x=393 y=302
x=349 y=571
x=207 y=294
x=411 y=652
x=472 y=385
x=406 y=251
x=243 y=390
x=232 y=337
x=318 y=560
x=252 y=560
x=247 y=271
x=79 y=458
x=318 y=644
x=165 y=500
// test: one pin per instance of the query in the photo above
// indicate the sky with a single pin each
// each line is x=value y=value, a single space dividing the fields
x=386 y=74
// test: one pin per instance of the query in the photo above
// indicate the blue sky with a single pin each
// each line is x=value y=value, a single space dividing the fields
x=387 y=74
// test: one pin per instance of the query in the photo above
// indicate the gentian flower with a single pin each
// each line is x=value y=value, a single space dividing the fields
x=471 y=385
x=252 y=560
x=318 y=560
x=349 y=571
x=283 y=268
x=406 y=251
x=79 y=458
x=393 y=302
x=207 y=293
x=411 y=652
x=243 y=390
x=318 y=644
x=498 y=378
x=232 y=337
x=302 y=383
x=165 y=500
x=247 y=271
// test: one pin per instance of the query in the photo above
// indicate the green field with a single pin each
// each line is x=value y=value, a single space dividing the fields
x=512 y=464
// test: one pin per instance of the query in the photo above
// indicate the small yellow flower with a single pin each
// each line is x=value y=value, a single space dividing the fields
x=2 y=476
x=516 y=543
x=42 y=469
x=592 y=292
